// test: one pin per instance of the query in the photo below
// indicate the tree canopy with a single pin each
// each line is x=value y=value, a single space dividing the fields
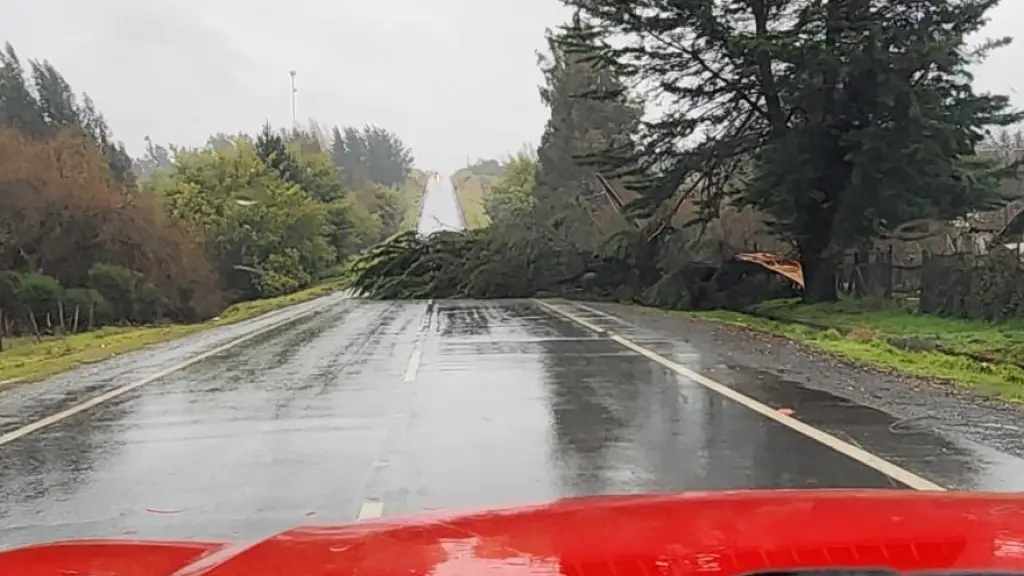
x=839 y=120
x=90 y=236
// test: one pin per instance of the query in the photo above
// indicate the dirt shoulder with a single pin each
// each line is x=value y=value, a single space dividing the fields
x=947 y=408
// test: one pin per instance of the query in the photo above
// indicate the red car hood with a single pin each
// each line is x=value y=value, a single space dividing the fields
x=724 y=533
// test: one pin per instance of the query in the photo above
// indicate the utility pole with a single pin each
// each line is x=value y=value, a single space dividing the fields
x=295 y=121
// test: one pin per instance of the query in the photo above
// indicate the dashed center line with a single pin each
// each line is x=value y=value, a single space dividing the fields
x=414 y=364
x=417 y=351
x=856 y=453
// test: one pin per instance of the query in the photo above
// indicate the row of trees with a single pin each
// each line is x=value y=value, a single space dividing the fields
x=89 y=236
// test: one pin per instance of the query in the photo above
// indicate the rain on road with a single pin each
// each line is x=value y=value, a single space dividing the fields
x=342 y=409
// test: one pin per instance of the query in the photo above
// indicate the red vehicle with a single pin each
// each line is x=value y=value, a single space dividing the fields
x=720 y=533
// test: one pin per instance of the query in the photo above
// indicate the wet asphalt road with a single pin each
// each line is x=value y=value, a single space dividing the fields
x=345 y=406
x=440 y=208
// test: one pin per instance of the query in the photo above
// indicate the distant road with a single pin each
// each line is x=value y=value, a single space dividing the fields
x=440 y=207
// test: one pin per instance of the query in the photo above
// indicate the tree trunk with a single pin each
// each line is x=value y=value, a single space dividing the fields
x=819 y=276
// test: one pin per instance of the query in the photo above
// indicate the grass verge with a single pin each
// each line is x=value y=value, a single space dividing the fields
x=27 y=360
x=980 y=355
x=470 y=192
x=412 y=193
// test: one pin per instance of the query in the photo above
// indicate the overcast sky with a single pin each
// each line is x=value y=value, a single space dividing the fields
x=454 y=78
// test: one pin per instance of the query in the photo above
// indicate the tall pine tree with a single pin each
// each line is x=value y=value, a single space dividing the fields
x=840 y=120
x=590 y=115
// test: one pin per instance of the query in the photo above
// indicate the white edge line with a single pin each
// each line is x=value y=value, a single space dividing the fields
x=370 y=510
x=859 y=454
x=121 y=390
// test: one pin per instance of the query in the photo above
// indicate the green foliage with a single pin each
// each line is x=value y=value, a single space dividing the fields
x=445 y=265
x=488 y=167
x=86 y=302
x=39 y=294
x=512 y=198
x=839 y=120
x=241 y=218
x=254 y=221
x=591 y=117
x=372 y=154
x=115 y=285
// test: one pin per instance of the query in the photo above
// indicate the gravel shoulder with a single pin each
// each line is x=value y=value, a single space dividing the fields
x=944 y=407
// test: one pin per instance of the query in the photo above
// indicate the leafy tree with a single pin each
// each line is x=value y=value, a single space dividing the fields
x=839 y=120
x=266 y=234
x=513 y=197
x=352 y=226
x=223 y=140
x=60 y=215
x=387 y=206
x=488 y=167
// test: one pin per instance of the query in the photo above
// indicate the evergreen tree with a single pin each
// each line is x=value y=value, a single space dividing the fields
x=590 y=115
x=840 y=120
x=49 y=105
x=273 y=150
x=388 y=159
x=370 y=155
x=56 y=101
x=18 y=106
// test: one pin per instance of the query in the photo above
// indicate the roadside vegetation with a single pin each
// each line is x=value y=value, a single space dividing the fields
x=103 y=252
x=27 y=358
x=810 y=144
x=471 y=186
x=975 y=353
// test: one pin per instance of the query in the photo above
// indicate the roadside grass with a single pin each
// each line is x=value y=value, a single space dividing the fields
x=984 y=356
x=412 y=193
x=470 y=192
x=25 y=360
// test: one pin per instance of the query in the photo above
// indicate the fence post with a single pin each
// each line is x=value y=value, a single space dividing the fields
x=888 y=272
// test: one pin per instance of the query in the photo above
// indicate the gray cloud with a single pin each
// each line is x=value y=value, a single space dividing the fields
x=451 y=77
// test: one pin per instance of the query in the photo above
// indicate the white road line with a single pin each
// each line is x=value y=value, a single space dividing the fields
x=859 y=454
x=120 y=391
x=370 y=510
x=417 y=350
x=414 y=364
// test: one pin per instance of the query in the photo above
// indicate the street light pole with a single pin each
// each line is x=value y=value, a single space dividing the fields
x=295 y=90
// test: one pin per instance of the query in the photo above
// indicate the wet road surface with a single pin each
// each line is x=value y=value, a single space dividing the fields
x=440 y=208
x=507 y=404
x=344 y=408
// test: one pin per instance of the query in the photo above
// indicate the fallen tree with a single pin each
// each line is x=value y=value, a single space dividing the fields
x=626 y=267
